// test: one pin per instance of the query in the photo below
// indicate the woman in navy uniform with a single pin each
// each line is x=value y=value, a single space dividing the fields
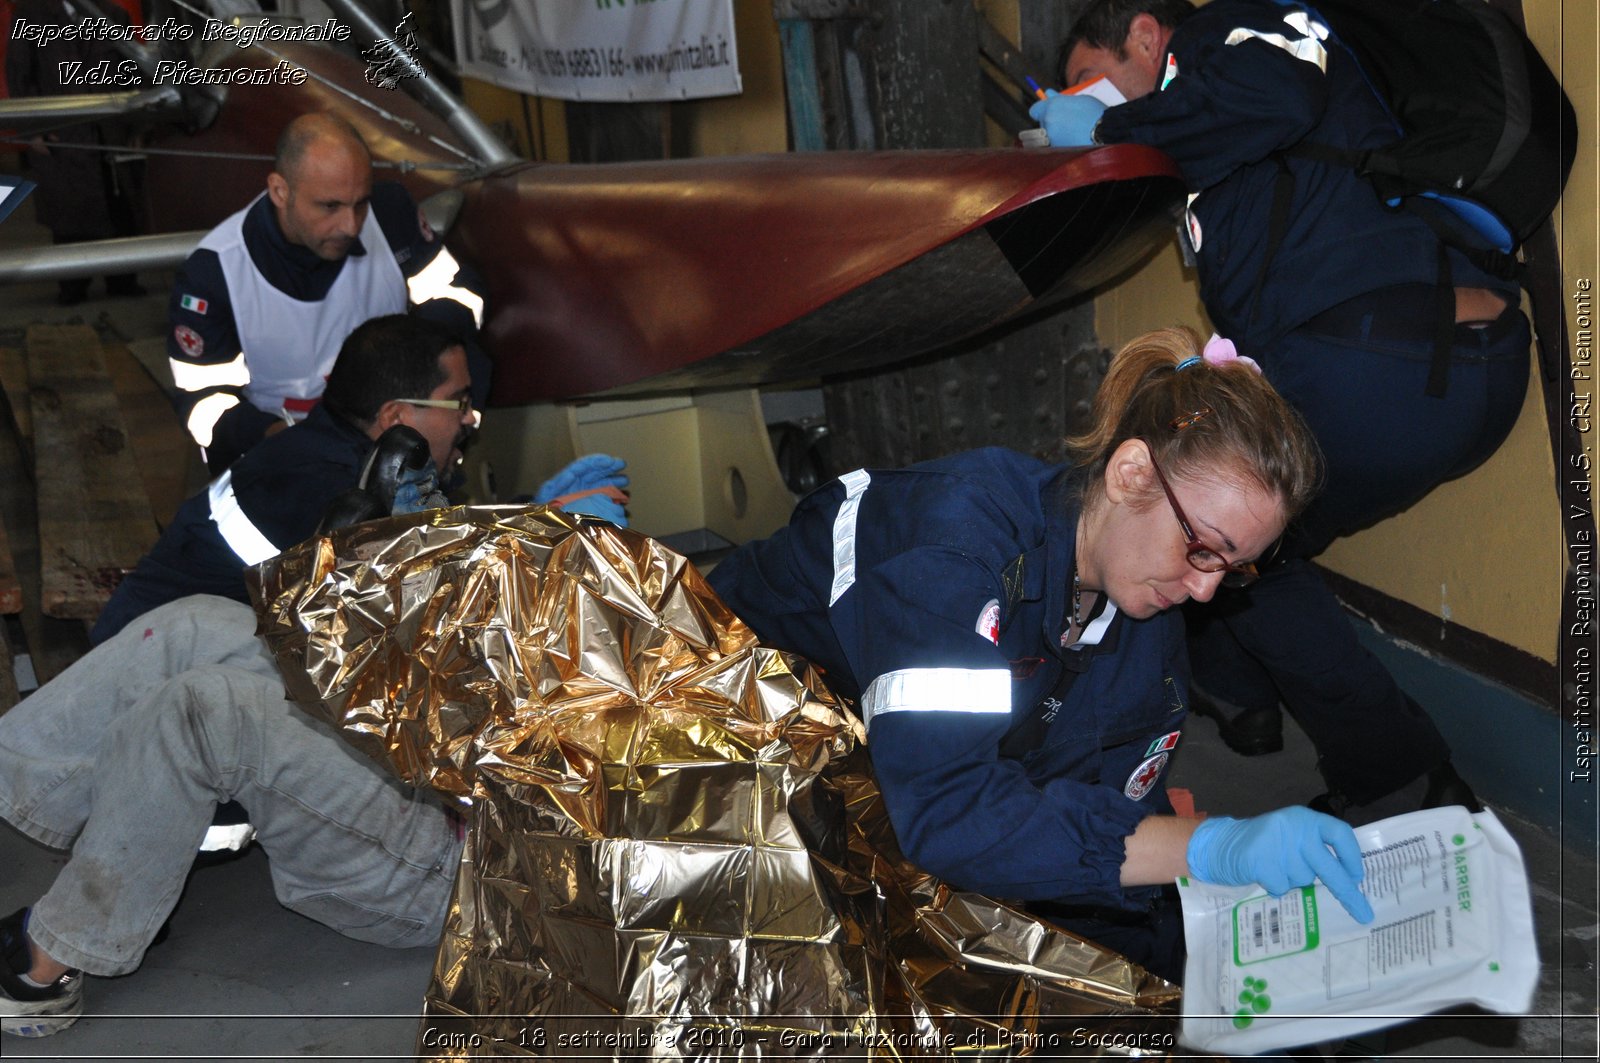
x=1005 y=629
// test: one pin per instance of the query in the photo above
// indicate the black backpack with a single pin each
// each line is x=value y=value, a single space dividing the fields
x=1485 y=136
x=1483 y=127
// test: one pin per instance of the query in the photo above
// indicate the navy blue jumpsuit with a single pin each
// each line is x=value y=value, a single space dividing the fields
x=1342 y=320
x=936 y=599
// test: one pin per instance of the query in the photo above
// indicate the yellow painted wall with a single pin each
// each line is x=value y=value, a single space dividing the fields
x=1486 y=550
x=754 y=121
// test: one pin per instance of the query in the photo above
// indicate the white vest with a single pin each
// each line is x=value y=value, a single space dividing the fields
x=289 y=346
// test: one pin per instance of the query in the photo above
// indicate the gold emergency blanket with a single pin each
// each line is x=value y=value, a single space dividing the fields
x=675 y=849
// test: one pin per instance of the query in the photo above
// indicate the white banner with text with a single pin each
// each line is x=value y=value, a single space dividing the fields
x=600 y=50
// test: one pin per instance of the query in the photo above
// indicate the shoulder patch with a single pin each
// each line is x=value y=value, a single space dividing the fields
x=1164 y=743
x=1143 y=778
x=189 y=341
x=193 y=303
x=422 y=224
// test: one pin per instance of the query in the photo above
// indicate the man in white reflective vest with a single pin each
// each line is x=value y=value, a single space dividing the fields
x=258 y=311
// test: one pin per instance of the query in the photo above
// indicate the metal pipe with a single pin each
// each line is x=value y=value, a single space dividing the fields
x=41 y=112
x=128 y=254
x=479 y=140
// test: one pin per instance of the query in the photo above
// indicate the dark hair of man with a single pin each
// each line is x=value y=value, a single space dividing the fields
x=302 y=132
x=393 y=357
x=1105 y=24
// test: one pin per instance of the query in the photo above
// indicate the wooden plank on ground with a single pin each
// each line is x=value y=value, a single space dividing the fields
x=14 y=378
x=151 y=352
x=51 y=645
x=8 y=674
x=10 y=587
x=94 y=517
x=161 y=447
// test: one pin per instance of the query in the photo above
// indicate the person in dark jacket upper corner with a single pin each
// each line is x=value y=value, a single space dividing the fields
x=1340 y=301
x=1007 y=631
x=86 y=192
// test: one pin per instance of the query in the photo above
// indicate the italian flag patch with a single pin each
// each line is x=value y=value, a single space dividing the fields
x=190 y=302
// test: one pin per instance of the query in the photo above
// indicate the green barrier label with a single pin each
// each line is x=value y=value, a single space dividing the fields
x=1265 y=928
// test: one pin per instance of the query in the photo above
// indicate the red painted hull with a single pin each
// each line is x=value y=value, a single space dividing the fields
x=638 y=277
x=628 y=278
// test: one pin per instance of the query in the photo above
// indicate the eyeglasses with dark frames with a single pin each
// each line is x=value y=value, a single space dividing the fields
x=1200 y=556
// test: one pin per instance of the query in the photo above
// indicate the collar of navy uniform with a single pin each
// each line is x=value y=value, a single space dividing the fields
x=1062 y=499
x=261 y=227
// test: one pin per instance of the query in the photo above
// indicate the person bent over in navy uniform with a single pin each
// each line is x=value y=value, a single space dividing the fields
x=259 y=309
x=1007 y=631
x=1341 y=298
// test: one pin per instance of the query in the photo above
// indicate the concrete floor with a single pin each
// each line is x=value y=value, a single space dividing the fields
x=242 y=977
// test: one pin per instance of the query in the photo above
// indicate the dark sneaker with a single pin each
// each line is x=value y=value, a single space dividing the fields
x=125 y=285
x=27 y=1010
x=1248 y=732
x=1446 y=787
x=72 y=292
x=1437 y=788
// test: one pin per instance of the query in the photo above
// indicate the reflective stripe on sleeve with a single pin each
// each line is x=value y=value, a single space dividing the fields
x=844 y=533
x=1307 y=47
x=188 y=376
x=437 y=281
x=242 y=537
x=984 y=690
x=203 y=416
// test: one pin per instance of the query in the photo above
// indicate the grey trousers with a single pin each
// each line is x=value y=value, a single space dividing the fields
x=124 y=757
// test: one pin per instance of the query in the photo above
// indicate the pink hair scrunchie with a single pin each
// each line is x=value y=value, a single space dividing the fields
x=1219 y=351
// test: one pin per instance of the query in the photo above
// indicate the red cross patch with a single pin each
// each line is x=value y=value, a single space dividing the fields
x=189 y=341
x=989 y=621
x=1143 y=778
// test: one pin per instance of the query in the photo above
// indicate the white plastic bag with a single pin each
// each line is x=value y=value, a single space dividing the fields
x=1454 y=925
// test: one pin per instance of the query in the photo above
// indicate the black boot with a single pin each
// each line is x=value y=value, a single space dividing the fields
x=1439 y=787
x=125 y=285
x=71 y=292
x=1250 y=732
x=1445 y=787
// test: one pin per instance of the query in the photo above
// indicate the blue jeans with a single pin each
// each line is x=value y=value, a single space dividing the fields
x=1357 y=374
x=125 y=755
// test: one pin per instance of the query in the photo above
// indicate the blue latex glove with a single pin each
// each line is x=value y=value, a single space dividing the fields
x=1070 y=120
x=1282 y=850
x=599 y=506
x=417 y=490
x=583 y=474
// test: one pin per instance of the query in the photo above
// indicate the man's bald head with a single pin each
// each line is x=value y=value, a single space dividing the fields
x=320 y=132
x=320 y=184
